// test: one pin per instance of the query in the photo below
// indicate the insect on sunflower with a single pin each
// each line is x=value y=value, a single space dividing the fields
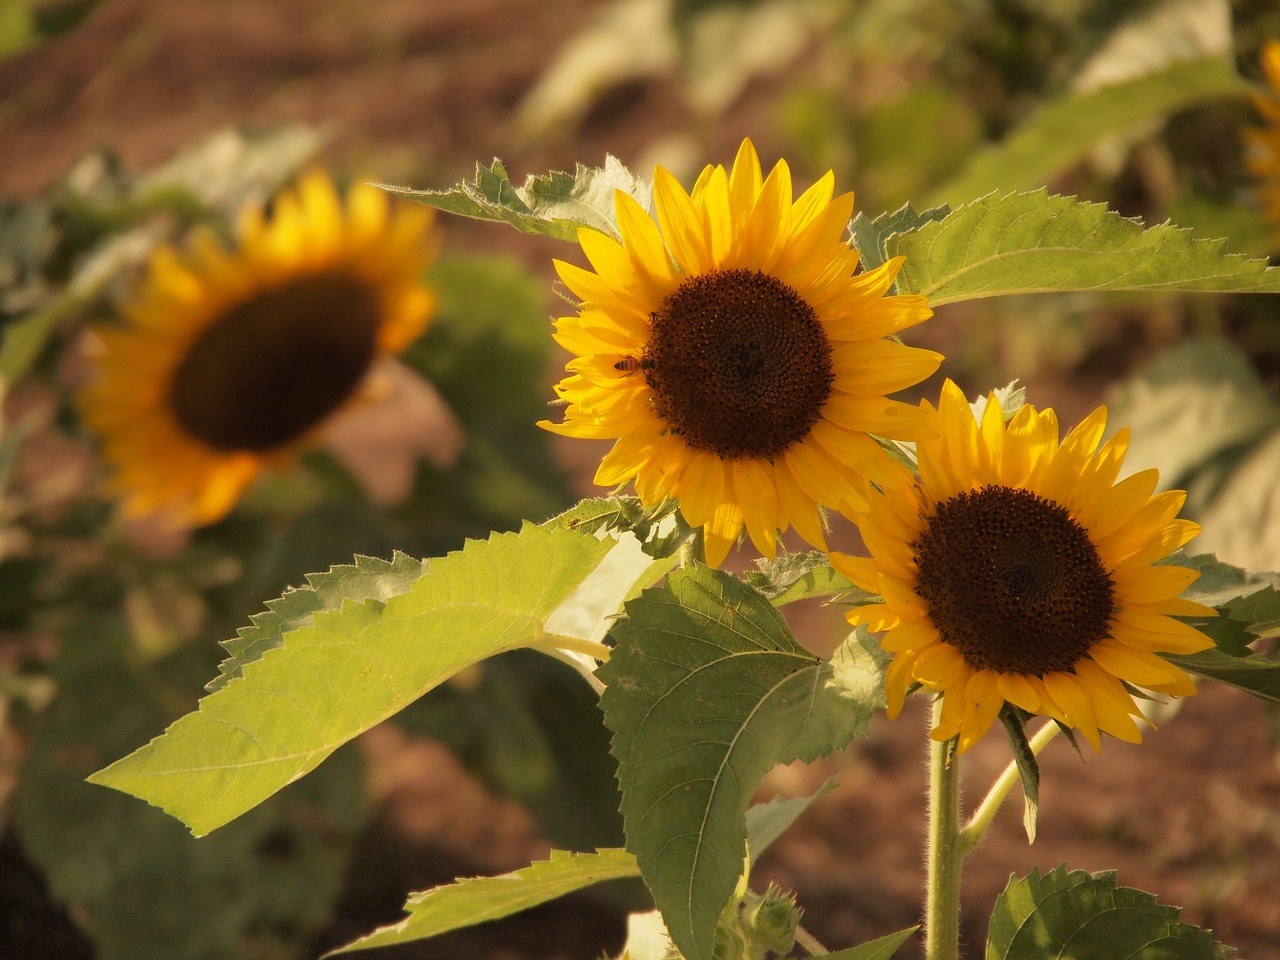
x=735 y=355
x=229 y=361
x=1016 y=569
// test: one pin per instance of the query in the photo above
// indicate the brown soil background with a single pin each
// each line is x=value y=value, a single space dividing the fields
x=418 y=92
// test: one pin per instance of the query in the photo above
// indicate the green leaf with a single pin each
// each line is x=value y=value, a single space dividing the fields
x=1221 y=583
x=623 y=572
x=1249 y=609
x=1062 y=132
x=706 y=691
x=882 y=948
x=479 y=899
x=1037 y=243
x=1028 y=768
x=798 y=576
x=553 y=204
x=1247 y=602
x=351 y=669
x=367 y=580
x=1079 y=914
x=661 y=529
x=766 y=822
x=1256 y=675
x=871 y=236
x=1260 y=611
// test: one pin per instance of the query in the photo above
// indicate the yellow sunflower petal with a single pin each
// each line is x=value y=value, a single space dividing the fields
x=916 y=635
x=1018 y=690
x=1157 y=632
x=1151 y=584
x=951 y=716
x=756 y=491
x=682 y=224
x=897 y=678
x=982 y=703
x=1113 y=706
x=938 y=665
x=1076 y=704
x=1137 y=667
x=721 y=532
x=800 y=510
x=702 y=488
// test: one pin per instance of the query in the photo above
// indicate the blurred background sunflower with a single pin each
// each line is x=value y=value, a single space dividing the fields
x=230 y=361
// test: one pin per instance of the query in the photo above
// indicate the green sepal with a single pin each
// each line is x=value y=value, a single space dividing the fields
x=1024 y=759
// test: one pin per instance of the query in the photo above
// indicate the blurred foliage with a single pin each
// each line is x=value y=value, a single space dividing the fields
x=111 y=632
x=27 y=23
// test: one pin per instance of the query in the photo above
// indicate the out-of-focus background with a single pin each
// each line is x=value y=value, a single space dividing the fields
x=105 y=638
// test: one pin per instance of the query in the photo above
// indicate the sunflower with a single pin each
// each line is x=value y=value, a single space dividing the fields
x=733 y=354
x=1263 y=160
x=1016 y=570
x=228 y=361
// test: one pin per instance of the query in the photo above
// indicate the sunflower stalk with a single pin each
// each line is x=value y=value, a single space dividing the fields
x=944 y=854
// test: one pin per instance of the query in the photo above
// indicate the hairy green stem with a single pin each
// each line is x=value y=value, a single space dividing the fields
x=980 y=822
x=579 y=653
x=942 y=906
x=559 y=641
x=809 y=943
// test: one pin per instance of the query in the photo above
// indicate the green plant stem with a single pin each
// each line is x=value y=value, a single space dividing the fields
x=809 y=943
x=690 y=551
x=942 y=906
x=577 y=652
x=559 y=641
x=983 y=816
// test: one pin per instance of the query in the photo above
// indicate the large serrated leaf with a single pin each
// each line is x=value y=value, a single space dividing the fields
x=1037 y=243
x=554 y=204
x=479 y=899
x=1065 y=916
x=368 y=579
x=1256 y=675
x=870 y=236
x=1248 y=604
x=1222 y=583
x=881 y=948
x=1063 y=132
x=706 y=691
x=351 y=669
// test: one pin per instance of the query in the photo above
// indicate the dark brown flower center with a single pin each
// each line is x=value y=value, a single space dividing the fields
x=275 y=365
x=739 y=364
x=1013 y=582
